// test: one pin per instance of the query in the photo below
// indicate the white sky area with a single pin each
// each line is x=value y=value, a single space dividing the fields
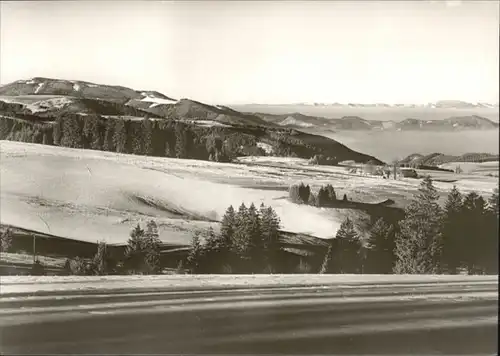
x=261 y=52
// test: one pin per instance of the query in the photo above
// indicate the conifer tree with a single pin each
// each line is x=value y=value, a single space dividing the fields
x=96 y=140
x=215 y=254
x=135 y=251
x=346 y=256
x=294 y=194
x=322 y=197
x=475 y=229
x=5 y=127
x=37 y=135
x=304 y=191
x=418 y=243
x=137 y=140
x=180 y=142
x=226 y=239
x=453 y=252
x=45 y=138
x=157 y=140
x=270 y=226
x=254 y=241
x=491 y=256
x=240 y=238
x=228 y=225
x=58 y=131
x=168 y=150
x=72 y=133
x=109 y=144
x=152 y=246
x=147 y=137
x=332 y=196
x=88 y=124
x=493 y=202
x=313 y=200
x=195 y=254
x=120 y=136
x=5 y=240
x=381 y=244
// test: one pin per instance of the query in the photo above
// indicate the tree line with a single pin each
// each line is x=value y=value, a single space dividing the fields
x=162 y=137
x=149 y=137
x=302 y=194
x=461 y=237
x=248 y=242
x=153 y=137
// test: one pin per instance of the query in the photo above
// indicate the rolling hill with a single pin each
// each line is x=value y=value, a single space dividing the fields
x=77 y=88
x=40 y=102
x=436 y=159
x=356 y=123
x=62 y=96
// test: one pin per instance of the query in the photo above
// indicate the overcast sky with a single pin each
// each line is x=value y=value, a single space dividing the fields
x=261 y=52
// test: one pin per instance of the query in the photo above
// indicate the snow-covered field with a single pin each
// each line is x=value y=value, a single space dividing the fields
x=483 y=168
x=93 y=195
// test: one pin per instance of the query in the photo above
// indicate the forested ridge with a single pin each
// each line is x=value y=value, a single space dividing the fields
x=153 y=136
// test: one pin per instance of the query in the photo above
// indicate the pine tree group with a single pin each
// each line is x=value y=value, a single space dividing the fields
x=470 y=233
x=142 y=253
x=302 y=194
x=248 y=242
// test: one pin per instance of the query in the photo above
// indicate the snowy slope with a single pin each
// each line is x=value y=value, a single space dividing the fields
x=91 y=195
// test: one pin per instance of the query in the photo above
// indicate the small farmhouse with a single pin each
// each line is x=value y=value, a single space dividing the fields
x=409 y=173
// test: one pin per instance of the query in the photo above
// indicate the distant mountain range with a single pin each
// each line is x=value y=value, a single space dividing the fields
x=45 y=96
x=442 y=104
x=298 y=120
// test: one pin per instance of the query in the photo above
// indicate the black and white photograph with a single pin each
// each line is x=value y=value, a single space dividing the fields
x=249 y=177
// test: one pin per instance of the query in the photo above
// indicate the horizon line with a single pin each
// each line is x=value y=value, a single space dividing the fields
x=304 y=103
